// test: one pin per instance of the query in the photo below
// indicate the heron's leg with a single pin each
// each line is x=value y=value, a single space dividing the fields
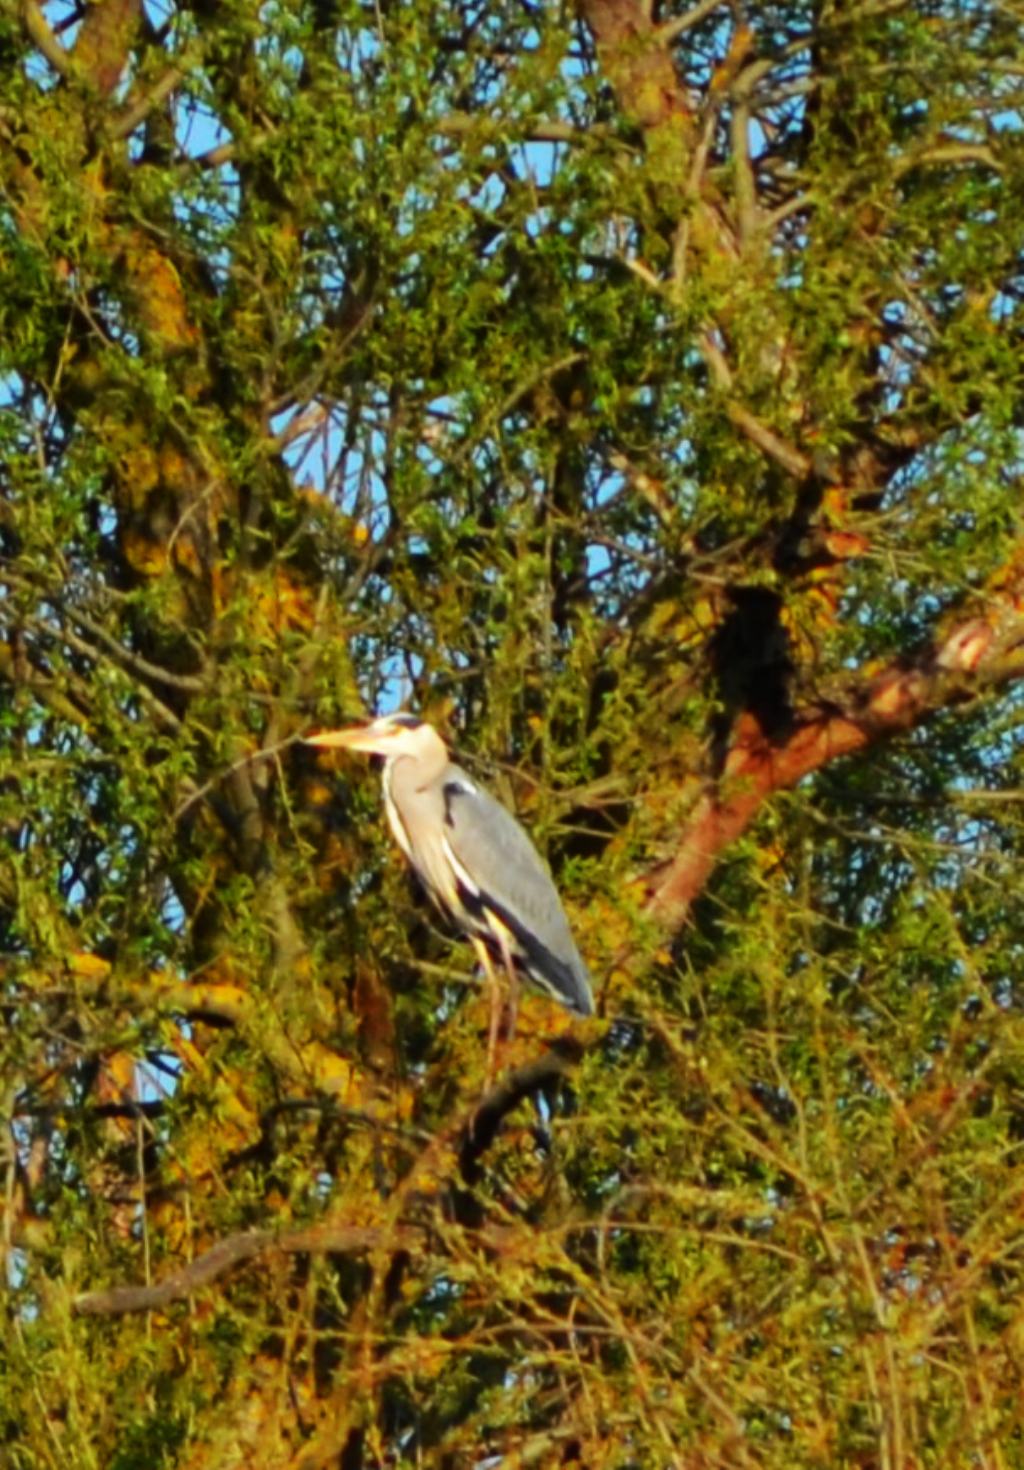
x=502 y=939
x=483 y=955
x=513 y=983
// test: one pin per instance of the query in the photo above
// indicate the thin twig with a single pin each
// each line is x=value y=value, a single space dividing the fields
x=665 y=34
x=241 y=764
x=513 y=399
x=134 y=662
x=163 y=714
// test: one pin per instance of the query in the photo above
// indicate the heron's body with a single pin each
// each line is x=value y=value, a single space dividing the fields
x=472 y=856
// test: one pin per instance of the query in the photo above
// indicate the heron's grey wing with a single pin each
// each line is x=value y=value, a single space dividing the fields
x=500 y=862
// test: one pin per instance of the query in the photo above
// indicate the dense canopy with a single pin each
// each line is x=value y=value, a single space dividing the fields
x=634 y=390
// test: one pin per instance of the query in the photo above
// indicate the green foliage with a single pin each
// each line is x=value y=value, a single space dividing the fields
x=638 y=401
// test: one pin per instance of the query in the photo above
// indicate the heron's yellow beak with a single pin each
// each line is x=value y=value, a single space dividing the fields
x=355 y=737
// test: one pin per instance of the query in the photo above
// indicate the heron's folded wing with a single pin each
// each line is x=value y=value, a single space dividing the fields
x=500 y=865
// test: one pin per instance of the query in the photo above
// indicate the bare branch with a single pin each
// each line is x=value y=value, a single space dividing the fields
x=681 y=23
x=232 y=1251
x=966 y=659
x=746 y=193
x=948 y=153
x=788 y=456
x=39 y=33
x=136 y=112
x=542 y=130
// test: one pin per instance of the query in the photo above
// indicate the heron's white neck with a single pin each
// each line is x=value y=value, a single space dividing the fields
x=424 y=764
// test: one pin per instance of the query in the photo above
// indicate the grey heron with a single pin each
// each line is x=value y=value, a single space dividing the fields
x=474 y=860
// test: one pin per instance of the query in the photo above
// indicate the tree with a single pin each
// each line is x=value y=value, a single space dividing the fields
x=637 y=392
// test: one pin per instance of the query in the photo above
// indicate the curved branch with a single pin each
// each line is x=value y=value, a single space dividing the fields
x=481 y=1130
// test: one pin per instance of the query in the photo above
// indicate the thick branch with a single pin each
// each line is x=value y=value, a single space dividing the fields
x=969 y=658
x=637 y=62
x=104 y=42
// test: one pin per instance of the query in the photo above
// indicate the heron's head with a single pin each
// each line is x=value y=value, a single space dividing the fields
x=390 y=736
